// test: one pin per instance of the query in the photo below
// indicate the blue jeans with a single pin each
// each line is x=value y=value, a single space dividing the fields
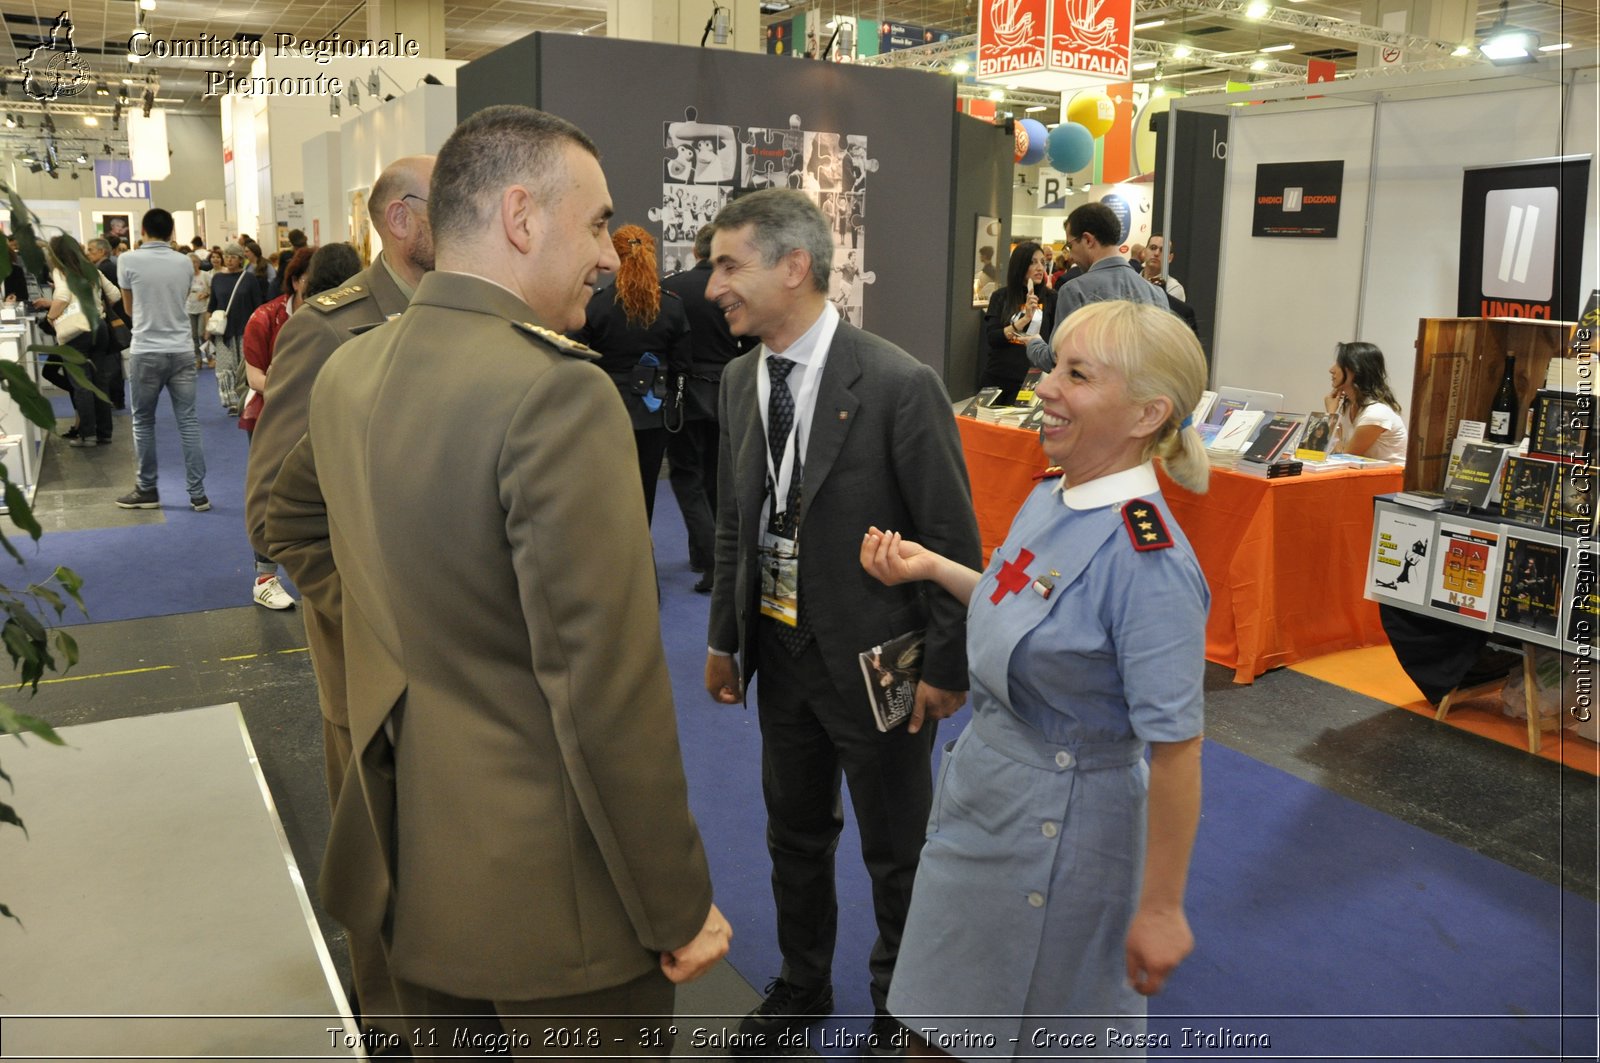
x=148 y=374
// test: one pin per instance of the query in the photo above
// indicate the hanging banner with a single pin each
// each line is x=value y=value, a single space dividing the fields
x=1055 y=44
x=1012 y=38
x=1091 y=38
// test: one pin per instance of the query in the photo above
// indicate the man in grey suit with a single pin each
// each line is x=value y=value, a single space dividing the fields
x=825 y=431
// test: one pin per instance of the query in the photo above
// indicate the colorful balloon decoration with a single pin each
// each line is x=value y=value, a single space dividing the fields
x=1094 y=111
x=1031 y=137
x=1070 y=147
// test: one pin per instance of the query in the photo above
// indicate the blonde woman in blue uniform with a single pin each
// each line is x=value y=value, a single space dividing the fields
x=1049 y=899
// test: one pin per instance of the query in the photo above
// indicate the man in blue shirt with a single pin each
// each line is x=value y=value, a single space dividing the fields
x=155 y=282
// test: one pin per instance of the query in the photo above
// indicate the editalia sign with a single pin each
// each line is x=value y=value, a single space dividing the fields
x=1059 y=44
x=1012 y=37
x=113 y=179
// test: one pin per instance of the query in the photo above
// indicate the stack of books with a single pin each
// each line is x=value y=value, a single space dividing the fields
x=1420 y=499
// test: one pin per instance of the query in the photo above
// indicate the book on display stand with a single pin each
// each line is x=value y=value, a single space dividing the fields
x=1532 y=581
x=1465 y=576
x=1397 y=568
x=1525 y=486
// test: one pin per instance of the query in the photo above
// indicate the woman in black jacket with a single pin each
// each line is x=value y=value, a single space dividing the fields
x=642 y=336
x=1025 y=306
x=228 y=348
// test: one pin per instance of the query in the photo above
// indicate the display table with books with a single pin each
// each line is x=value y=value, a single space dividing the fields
x=1285 y=558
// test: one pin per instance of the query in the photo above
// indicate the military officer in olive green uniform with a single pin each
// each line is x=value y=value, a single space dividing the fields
x=515 y=822
x=398 y=207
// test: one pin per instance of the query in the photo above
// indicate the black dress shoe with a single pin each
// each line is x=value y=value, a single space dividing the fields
x=71 y=433
x=786 y=1009
x=703 y=584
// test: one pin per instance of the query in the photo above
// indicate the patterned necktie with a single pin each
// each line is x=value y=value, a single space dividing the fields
x=780 y=419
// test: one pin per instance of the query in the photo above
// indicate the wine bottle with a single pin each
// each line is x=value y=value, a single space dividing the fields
x=1503 y=411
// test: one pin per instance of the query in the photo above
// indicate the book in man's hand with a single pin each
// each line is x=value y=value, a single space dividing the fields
x=891 y=671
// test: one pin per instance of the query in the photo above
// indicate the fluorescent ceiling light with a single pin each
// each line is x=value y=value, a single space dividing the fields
x=1278 y=48
x=1144 y=66
x=1563 y=46
x=1035 y=109
x=1257 y=9
x=1152 y=24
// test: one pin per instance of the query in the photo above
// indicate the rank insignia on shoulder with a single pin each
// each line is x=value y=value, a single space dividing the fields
x=1145 y=526
x=555 y=339
x=1054 y=472
x=350 y=293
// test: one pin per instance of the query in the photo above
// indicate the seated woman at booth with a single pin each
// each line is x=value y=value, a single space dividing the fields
x=1024 y=306
x=1368 y=414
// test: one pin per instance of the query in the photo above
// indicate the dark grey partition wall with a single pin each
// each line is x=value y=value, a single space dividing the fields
x=681 y=129
x=983 y=168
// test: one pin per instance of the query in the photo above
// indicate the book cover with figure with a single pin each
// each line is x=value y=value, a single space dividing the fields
x=1530 y=586
x=1525 y=485
x=891 y=671
x=1398 y=566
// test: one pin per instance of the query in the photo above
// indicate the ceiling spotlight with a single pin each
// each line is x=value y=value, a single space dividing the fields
x=1182 y=51
x=105 y=149
x=90 y=119
x=1259 y=64
x=960 y=66
x=11 y=121
x=1257 y=9
x=100 y=89
x=147 y=5
x=149 y=101
x=82 y=159
x=1506 y=45
x=996 y=95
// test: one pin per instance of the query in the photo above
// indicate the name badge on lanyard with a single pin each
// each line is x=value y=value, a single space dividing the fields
x=779 y=558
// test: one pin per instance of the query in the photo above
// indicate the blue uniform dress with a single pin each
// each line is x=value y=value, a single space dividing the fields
x=1035 y=845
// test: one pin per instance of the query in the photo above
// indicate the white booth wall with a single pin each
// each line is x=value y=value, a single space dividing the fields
x=327 y=210
x=1283 y=303
x=417 y=123
x=266 y=134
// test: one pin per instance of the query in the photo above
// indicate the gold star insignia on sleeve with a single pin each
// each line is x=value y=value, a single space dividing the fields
x=1146 y=530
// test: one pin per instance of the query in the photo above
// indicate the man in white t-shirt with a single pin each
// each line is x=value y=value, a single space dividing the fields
x=155 y=284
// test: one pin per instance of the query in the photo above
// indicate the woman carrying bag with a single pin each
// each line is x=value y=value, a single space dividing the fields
x=72 y=328
x=235 y=295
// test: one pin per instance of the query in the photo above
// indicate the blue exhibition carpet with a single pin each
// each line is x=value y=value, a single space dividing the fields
x=1325 y=926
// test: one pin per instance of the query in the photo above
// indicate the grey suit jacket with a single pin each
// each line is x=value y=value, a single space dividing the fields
x=883 y=450
x=516 y=819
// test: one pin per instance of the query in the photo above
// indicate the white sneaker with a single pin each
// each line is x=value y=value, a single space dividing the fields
x=270 y=593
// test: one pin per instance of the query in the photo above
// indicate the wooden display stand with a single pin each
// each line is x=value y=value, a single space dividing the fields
x=1460 y=361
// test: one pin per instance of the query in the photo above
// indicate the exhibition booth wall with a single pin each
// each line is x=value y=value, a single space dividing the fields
x=1284 y=302
x=338 y=168
x=680 y=130
x=263 y=137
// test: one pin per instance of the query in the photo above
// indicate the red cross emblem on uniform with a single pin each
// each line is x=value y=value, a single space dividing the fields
x=1012 y=577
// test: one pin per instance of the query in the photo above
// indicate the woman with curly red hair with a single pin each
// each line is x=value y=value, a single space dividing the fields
x=642 y=336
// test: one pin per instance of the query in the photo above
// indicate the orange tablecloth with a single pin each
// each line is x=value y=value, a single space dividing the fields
x=1286 y=559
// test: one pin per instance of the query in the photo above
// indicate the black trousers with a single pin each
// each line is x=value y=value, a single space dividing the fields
x=809 y=740
x=692 y=457
x=652 y=446
x=94 y=413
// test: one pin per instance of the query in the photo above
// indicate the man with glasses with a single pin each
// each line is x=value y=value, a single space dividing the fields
x=398 y=207
x=1094 y=232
